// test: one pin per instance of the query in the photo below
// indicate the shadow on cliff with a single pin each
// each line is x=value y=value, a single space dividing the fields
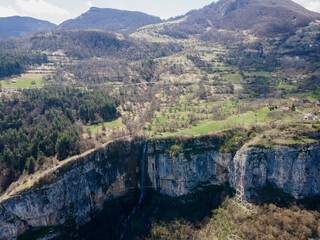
x=105 y=225
x=108 y=224
x=195 y=208
x=187 y=213
x=269 y=194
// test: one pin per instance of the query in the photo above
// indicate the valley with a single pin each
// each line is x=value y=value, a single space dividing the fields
x=226 y=106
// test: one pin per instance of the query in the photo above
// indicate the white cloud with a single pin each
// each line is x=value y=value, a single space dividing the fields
x=90 y=4
x=313 y=5
x=40 y=7
x=7 y=11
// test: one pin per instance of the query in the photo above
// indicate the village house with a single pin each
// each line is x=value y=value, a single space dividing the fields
x=311 y=117
x=295 y=100
x=285 y=109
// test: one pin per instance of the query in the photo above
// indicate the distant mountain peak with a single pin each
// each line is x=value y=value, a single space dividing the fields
x=94 y=9
x=115 y=20
x=260 y=17
x=17 y=26
x=254 y=14
x=227 y=6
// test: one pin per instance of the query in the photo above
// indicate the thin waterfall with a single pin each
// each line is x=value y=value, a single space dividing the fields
x=143 y=166
x=142 y=172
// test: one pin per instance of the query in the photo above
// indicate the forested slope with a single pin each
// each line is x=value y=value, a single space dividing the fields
x=14 y=62
x=83 y=44
x=40 y=123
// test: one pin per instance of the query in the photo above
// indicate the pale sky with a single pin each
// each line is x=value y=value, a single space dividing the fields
x=57 y=11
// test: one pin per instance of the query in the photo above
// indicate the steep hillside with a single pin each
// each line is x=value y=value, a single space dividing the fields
x=261 y=17
x=110 y=19
x=20 y=26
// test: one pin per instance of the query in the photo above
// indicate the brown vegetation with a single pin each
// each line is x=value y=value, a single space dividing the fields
x=261 y=17
x=235 y=220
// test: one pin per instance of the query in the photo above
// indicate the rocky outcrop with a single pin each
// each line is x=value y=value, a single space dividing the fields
x=176 y=174
x=78 y=191
x=295 y=170
x=82 y=187
x=11 y=225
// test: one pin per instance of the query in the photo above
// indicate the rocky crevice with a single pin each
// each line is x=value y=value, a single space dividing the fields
x=15 y=227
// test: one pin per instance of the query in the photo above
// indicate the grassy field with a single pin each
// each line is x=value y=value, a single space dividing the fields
x=25 y=81
x=258 y=73
x=234 y=78
x=207 y=126
x=98 y=127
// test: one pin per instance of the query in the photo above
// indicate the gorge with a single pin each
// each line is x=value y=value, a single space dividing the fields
x=76 y=191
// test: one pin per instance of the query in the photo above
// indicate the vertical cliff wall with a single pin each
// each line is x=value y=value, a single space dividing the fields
x=83 y=186
x=295 y=170
x=176 y=168
x=78 y=191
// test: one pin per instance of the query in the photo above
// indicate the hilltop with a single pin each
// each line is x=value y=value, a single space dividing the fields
x=110 y=19
x=258 y=17
x=87 y=43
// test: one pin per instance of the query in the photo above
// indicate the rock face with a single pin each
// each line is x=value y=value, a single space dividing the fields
x=79 y=190
x=82 y=187
x=176 y=175
x=293 y=170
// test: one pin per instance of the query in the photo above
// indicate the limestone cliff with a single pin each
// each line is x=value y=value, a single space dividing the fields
x=82 y=187
x=78 y=191
x=295 y=170
x=177 y=173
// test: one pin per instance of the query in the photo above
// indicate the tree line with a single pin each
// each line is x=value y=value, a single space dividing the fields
x=15 y=62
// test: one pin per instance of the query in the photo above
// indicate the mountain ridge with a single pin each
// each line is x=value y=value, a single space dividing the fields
x=122 y=21
x=231 y=13
x=260 y=17
x=22 y=26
